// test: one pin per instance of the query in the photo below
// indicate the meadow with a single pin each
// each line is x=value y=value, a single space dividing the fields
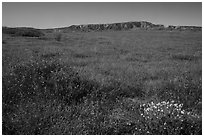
x=112 y=82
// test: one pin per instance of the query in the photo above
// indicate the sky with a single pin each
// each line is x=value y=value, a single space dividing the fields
x=63 y=14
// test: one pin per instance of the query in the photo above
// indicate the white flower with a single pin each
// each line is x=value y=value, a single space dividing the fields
x=181 y=105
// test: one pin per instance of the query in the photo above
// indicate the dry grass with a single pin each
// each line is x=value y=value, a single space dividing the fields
x=67 y=86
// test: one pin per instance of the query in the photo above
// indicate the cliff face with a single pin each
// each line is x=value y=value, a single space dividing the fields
x=115 y=26
x=123 y=26
x=196 y=28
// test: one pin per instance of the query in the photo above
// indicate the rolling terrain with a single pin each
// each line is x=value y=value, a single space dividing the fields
x=141 y=81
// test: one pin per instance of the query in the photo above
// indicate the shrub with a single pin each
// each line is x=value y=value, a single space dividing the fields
x=58 y=37
x=51 y=55
x=37 y=84
x=185 y=57
x=47 y=80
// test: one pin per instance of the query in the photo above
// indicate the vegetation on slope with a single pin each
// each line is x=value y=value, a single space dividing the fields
x=48 y=87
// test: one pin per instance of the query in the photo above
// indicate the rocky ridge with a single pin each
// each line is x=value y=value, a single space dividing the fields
x=125 y=26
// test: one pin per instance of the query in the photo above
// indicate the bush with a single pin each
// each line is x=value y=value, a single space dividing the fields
x=45 y=79
x=58 y=37
x=185 y=57
x=39 y=83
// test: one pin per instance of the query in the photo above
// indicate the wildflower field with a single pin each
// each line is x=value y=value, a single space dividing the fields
x=142 y=82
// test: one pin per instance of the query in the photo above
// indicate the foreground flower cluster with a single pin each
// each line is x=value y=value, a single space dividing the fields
x=172 y=109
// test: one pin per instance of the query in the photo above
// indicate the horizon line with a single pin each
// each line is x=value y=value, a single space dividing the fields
x=98 y=23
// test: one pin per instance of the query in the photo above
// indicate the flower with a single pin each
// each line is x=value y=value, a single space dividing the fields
x=161 y=109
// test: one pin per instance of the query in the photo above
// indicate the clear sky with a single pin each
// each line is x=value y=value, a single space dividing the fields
x=51 y=15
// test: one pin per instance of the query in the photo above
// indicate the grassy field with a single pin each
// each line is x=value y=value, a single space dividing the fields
x=122 y=82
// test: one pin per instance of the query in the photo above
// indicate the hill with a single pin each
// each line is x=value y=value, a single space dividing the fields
x=134 y=25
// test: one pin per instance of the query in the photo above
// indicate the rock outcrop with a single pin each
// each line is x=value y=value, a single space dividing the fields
x=124 y=26
x=115 y=26
x=195 y=28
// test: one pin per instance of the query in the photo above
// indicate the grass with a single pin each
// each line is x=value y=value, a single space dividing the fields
x=132 y=82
